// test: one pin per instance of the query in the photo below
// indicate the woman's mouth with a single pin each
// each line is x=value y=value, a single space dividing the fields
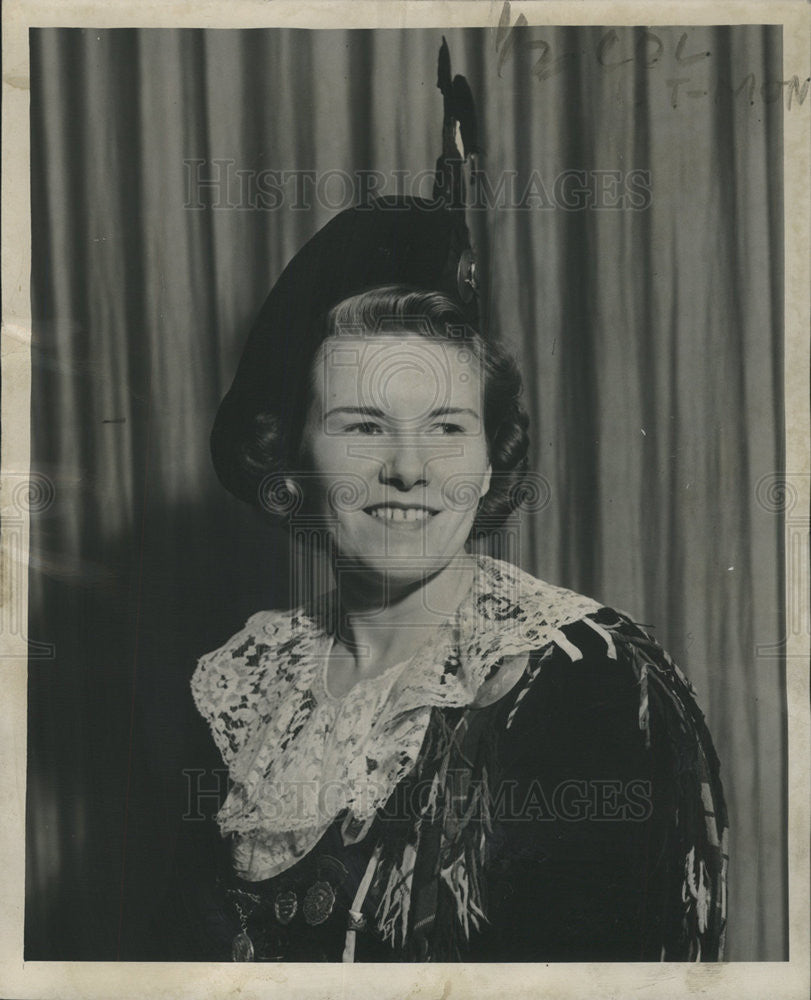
x=401 y=514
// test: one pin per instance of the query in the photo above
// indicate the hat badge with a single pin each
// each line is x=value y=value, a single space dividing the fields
x=466 y=276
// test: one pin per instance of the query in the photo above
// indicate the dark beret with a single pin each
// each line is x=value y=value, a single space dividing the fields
x=404 y=241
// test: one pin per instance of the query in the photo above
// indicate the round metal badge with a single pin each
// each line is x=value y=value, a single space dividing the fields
x=318 y=903
x=285 y=906
x=466 y=281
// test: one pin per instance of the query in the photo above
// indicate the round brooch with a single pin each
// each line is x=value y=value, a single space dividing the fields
x=318 y=903
x=285 y=906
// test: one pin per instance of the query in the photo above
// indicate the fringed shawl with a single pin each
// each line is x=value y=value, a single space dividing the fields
x=470 y=855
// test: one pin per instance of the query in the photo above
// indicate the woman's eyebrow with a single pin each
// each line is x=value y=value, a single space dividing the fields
x=366 y=411
x=447 y=411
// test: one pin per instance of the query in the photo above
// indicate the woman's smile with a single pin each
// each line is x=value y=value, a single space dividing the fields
x=401 y=515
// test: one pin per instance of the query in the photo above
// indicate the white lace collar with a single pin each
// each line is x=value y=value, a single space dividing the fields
x=298 y=757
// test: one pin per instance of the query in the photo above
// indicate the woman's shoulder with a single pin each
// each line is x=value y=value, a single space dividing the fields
x=603 y=712
x=564 y=634
x=253 y=667
x=590 y=670
x=604 y=666
x=603 y=693
x=263 y=633
x=574 y=642
x=504 y=591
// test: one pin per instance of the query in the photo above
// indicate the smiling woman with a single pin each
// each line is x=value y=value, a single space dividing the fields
x=438 y=757
x=401 y=413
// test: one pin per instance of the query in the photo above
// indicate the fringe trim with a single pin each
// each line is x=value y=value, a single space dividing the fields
x=611 y=651
x=463 y=875
x=463 y=813
x=395 y=903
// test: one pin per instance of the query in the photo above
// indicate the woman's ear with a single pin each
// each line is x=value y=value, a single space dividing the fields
x=294 y=492
x=293 y=496
x=486 y=482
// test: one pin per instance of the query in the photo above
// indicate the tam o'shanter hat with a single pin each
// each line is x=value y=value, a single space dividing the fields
x=415 y=242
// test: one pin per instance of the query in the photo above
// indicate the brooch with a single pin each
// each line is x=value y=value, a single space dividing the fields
x=285 y=906
x=318 y=903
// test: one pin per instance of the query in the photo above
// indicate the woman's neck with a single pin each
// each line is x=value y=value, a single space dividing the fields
x=383 y=619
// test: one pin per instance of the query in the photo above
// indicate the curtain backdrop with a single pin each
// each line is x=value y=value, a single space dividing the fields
x=650 y=338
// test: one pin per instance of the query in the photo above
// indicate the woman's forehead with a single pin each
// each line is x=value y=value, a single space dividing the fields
x=388 y=371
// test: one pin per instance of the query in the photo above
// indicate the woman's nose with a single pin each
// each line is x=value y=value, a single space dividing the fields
x=405 y=466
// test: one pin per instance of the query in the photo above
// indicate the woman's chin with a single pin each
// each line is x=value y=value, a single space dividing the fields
x=403 y=568
x=392 y=570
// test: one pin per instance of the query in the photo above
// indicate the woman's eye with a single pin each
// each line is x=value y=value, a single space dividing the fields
x=364 y=428
x=446 y=428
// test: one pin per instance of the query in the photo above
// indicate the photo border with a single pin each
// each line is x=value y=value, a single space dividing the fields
x=88 y=980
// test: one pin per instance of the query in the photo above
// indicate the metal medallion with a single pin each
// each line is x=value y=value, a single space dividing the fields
x=466 y=278
x=285 y=906
x=318 y=903
x=242 y=948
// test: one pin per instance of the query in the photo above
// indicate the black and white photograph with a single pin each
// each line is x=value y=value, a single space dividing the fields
x=415 y=553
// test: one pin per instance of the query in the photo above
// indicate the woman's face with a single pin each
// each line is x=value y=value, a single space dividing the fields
x=394 y=451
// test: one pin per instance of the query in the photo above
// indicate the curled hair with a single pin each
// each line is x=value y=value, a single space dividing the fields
x=272 y=448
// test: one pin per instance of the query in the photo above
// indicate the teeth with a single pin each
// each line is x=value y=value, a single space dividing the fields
x=397 y=514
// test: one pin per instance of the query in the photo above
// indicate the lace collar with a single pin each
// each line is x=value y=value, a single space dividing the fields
x=298 y=758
